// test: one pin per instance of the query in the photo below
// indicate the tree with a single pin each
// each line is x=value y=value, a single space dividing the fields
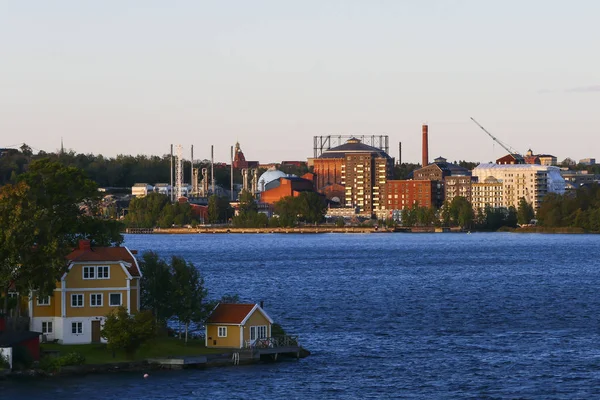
x=461 y=212
x=286 y=209
x=42 y=217
x=156 y=287
x=219 y=209
x=525 y=212
x=127 y=332
x=311 y=207
x=188 y=292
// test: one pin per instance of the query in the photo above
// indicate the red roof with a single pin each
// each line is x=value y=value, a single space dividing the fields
x=230 y=313
x=117 y=254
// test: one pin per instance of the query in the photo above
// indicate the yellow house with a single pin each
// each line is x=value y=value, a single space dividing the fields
x=237 y=325
x=98 y=280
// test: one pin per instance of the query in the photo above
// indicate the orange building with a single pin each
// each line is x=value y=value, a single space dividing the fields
x=283 y=187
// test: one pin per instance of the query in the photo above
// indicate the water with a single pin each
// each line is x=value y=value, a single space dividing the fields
x=389 y=316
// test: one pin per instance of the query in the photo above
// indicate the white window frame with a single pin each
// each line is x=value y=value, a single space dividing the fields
x=110 y=300
x=78 y=325
x=45 y=301
x=103 y=268
x=222 y=331
x=95 y=295
x=79 y=295
x=13 y=295
x=89 y=269
x=47 y=327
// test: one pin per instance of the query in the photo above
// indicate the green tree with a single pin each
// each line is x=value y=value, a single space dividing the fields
x=127 y=332
x=525 y=212
x=311 y=207
x=189 y=293
x=287 y=210
x=41 y=219
x=156 y=287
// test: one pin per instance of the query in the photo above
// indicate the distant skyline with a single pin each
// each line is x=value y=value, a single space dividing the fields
x=132 y=77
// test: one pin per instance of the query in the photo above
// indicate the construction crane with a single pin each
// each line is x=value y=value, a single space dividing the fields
x=504 y=145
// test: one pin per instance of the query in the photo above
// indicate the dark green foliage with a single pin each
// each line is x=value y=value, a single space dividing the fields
x=419 y=216
x=248 y=215
x=128 y=332
x=578 y=210
x=219 y=209
x=157 y=287
x=525 y=212
x=188 y=293
x=42 y=217
x=402 y=171
x=307 y=207
x=54 y=364
x=155 y=210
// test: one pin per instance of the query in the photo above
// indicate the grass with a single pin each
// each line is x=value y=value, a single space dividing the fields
x=159 y=347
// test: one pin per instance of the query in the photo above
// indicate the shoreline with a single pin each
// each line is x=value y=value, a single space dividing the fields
x=154 y=364
x=329 y=229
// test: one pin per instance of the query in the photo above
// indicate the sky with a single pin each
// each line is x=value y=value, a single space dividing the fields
x=134 y=76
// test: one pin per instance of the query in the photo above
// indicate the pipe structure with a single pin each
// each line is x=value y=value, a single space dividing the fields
x=231 y=196
x=212 y=168
x=171 y=175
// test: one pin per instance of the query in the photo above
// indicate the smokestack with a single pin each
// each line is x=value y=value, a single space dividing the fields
x=399 y=153
x=425 y=160
x=171 y=174
x=212 y=168
x=231 y=196
x=192 y=166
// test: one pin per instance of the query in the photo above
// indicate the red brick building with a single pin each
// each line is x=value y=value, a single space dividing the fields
x=404 y=194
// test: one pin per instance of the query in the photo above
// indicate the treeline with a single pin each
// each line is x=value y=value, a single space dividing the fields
x=119 y=171
x=307 y=207
x=156 y=210
x=581 y=210
x=459 y=213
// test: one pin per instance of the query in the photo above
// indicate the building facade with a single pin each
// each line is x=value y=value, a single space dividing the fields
x=98 y=281
x=405 y=194
x=360 y=169
x=529 y=181
x=455 y=186
x=487 y=192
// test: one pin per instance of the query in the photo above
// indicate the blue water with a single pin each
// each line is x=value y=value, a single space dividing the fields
x=389 y=316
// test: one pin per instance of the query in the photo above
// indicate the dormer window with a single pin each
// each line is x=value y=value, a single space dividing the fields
x=96 y=272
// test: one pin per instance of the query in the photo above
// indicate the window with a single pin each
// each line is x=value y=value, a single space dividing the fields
x=89 y=272
x=222 y=331
x=43 y=301
x=115 y=299
x=76 y=300
x=103 y=272
x=96 y=300
x=77 y=328
x=258 y=332
x=47 y=327
x=96 y=272
x=13 y=295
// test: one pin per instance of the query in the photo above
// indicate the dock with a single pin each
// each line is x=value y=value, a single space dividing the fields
x=261 y=350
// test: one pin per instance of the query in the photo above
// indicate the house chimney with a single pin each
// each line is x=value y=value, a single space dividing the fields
x=85 y=245
x=425 y=160
x=262 y=304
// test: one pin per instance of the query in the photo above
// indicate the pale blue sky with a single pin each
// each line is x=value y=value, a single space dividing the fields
x=129 y=77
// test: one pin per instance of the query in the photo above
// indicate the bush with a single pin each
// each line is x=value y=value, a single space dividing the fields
x=54 y=364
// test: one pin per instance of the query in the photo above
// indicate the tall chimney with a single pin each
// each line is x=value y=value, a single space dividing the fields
x=425 y=160
x=399 y=153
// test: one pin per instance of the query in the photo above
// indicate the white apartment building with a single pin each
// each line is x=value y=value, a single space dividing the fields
x=487 y=193
x=530 y=181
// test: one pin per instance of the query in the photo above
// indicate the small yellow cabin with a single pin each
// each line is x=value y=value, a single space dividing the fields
x=237 y=325
x=98 y=280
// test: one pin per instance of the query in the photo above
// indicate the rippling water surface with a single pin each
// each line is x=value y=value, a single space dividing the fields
x=389 y=316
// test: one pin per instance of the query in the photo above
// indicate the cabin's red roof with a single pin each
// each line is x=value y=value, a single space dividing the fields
x=86 y=253
x=230 y=313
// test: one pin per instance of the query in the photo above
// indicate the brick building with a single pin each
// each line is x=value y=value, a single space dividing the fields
x=403 y=194
x=458 y=185
x=283 y=187
x=359 y=169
